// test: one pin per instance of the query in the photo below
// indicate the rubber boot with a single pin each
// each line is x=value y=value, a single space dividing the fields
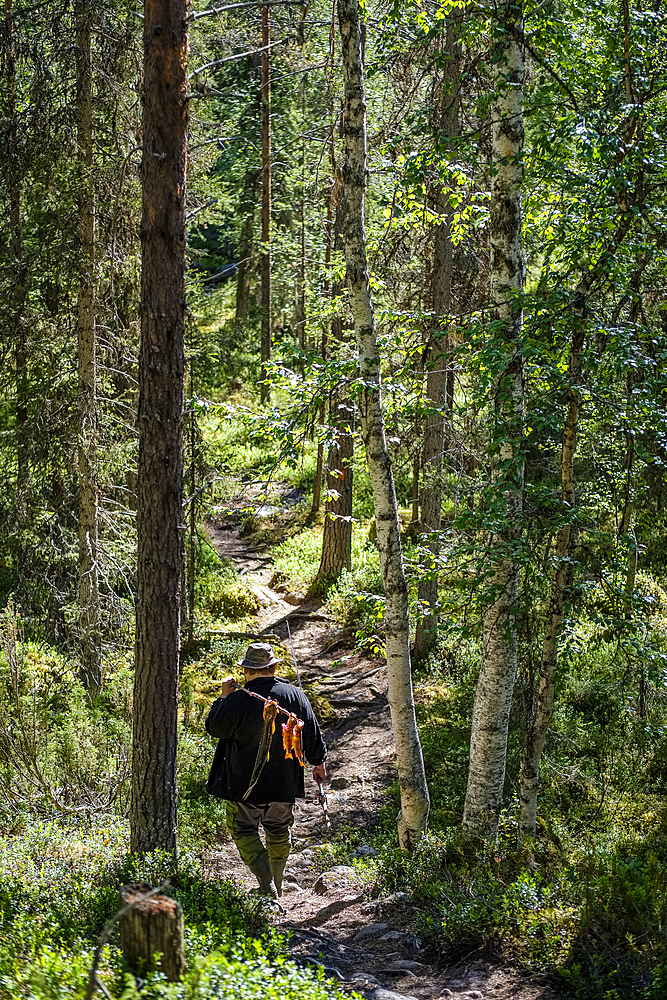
x=278 y=870
x=261 y=869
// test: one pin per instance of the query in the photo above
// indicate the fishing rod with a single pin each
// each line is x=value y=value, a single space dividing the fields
x=322 y=799
x=291 y=646
x=321 y=794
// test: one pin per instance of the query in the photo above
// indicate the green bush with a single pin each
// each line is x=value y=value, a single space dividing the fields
x=218 y=977
x=221 y=594
x=59 y=885
x=57 y=751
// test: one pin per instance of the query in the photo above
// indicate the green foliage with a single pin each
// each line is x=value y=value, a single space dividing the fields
x=221 y=595
x=57 y=751
x=298 y=559
x=59 y=885
x=250 y=976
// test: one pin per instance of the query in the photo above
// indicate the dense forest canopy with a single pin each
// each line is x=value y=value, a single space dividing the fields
x=419 y=285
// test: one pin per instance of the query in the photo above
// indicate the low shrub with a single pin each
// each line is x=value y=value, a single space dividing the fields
x=58 y=887
x=57 y=751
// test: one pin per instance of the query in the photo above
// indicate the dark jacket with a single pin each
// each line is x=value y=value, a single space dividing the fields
x=237 y=722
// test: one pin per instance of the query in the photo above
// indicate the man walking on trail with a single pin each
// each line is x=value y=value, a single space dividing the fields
x=260 y=788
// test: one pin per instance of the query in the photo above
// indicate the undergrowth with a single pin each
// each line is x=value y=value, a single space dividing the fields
x=59 y=885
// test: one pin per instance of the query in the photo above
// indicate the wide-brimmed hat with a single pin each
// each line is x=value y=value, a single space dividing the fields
x=258 y=657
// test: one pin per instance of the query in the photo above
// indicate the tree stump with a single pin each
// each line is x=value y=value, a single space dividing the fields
x=152 y=927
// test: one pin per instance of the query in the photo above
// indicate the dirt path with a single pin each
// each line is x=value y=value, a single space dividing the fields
x=368 y=945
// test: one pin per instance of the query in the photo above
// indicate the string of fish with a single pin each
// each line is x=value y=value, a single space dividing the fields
x=292 y=737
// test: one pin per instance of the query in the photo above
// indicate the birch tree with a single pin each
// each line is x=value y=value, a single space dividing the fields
x=412 y=779
x=493 y=697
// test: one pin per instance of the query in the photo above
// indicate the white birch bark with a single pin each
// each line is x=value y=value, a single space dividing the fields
x=412 y=779
x=493 y=697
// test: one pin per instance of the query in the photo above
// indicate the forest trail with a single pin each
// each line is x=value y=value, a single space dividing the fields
x=370 y=946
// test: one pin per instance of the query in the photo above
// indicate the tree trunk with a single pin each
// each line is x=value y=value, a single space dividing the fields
x=266 y=203
x=412 y=779
x=160 y=421
x=317 y=485
x=247 y=211
x=330 y=288
x=493 y=697
x=90 y=637
x=151 y=927
x=192 y=540
x=437 y=364
x=19 y=290
x=566 y=542
x=538 y=726
x=300 y=298
x=337 y=537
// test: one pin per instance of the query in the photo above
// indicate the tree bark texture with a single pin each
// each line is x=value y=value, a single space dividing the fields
x=540 y=719
x=317 y=485
x=438 y=364
x=151 y=927
x=160 y=421
x=333 y=234
x=412 y=779
x=300 y=297
x=247 y=211
x=493 y=697
x=90 y=635
x=266 y=202
x=337 y=536
x=19 y=280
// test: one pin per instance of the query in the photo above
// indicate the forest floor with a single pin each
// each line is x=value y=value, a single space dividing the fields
x=370 y=946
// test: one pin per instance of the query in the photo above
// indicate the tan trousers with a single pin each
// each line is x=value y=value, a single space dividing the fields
x=243 y=822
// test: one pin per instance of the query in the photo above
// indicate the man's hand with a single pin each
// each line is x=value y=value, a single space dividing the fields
x=319 y=773
x=228 y=685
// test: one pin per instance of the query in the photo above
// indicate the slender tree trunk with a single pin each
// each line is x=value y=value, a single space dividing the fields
x=247 y=210
x=493 y=697
x=416 y=467
x=412 y=779
x=335 y=288
x=317 y=486
x=337 y=536
x=625 y=529
x=266 y=202
x=300 y=304
x=19 y=288
x=538 y=726
x=565 y=545
x=438 y=363
x=192 y=546
x=90 y=637
x=160 y=421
